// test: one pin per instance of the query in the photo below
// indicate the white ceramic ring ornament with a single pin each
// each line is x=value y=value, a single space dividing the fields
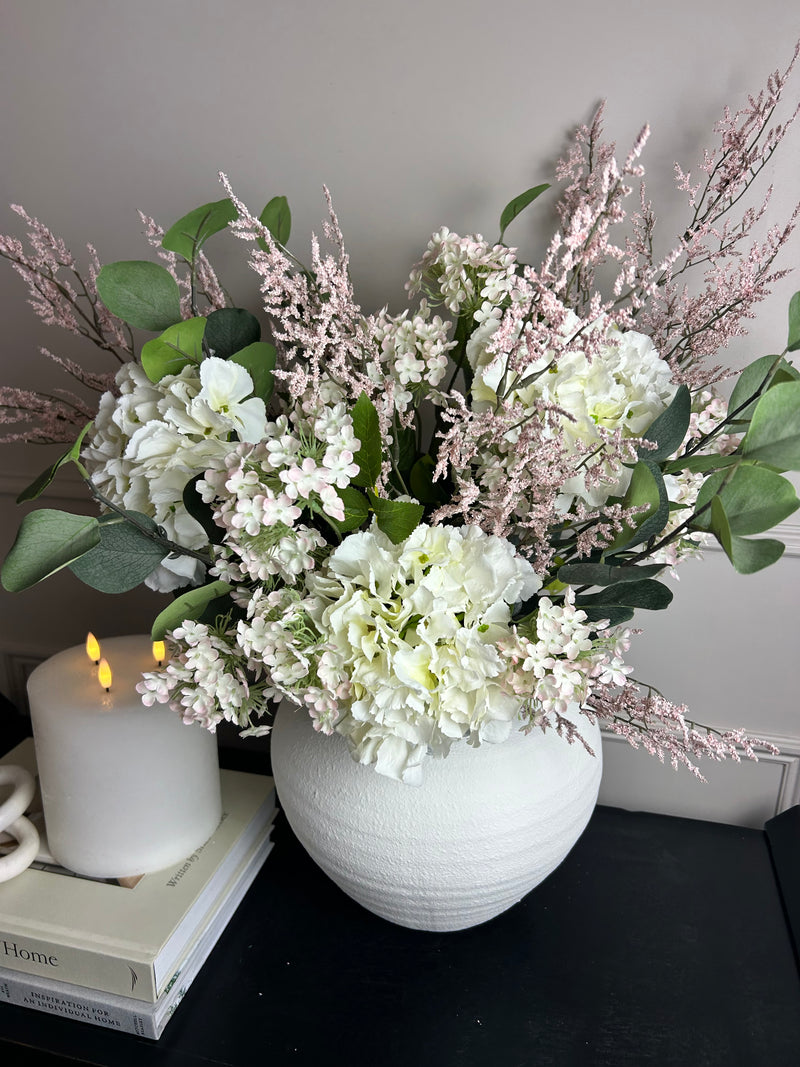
x=13 y=821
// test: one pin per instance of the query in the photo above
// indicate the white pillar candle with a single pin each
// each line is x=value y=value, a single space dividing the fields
x=126 y=789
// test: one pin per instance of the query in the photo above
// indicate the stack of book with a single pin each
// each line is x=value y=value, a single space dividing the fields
x=121 y=954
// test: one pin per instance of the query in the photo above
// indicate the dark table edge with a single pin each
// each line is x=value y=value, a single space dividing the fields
x=783 y=840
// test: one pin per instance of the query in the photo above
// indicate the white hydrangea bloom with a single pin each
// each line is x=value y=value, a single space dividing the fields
x=148 y=443
x=624 y=387
x=416 y=627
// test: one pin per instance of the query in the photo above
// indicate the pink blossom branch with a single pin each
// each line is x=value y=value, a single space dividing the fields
x=664 y=730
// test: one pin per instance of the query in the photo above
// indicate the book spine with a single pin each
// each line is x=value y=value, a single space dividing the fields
x=78 y=966
x=78 y=1008
x=121 y=1013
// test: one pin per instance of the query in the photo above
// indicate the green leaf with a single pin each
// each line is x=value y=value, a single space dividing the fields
x=189 y=234
x=747 y=555
x=258 y=360
x=751 y=554
x=603 y=575
x=774 y=433
x=141 y=293
x=646 y=593
x=518 y=204
x=396 y=518
x=756 y=378
x=793 y=343
x=356 y=510
x=646 y=489
x=123 y=558
x=176 y=348
x=719 y=525
x=38 y=485
x=421 y=482
x=754 y=500
x=277 y=217
x=46 y=541
x=189 y=605
x=231 y=329
x=201 y=512
x=615 y=615
x=367 y=430
x=669 y=429
x=406 y=447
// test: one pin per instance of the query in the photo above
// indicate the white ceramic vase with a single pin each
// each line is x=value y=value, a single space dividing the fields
x=486 y=826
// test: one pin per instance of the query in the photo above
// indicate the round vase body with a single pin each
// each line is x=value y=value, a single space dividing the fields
x=486 y=826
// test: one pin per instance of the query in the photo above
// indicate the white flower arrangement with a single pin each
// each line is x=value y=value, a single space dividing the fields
x=428 y=528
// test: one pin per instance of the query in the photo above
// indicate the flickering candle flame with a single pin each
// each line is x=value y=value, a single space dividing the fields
x=92 y=648
x=159 y=652
x=104 y=674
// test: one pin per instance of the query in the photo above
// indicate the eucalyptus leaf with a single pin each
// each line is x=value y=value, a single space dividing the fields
x=178 y=346
x=258 y=359
x=793 y=343
x=396 y=518
x=645 y=593
x=141 y=293
x=517 y=205
x=756 y=378
x=755 y=499
x=277 y=217
x=615 y=614
x=190 y=233
x=747 y=555
x=190 y=605
x=646 y=489
x=39 y=484
x=669 y=429
x=751 y=554
x=46 y=541
x=231 y=329
x=370 y=455
x=123 y=558
x=719 y=525
x=700 y=464
x=602 y=574
x=774 y=433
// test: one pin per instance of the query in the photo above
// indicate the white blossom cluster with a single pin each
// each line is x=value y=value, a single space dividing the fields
x=567 y=659
x=259 y=494
x=413 y=351
x=207 y=683
x=465 y=273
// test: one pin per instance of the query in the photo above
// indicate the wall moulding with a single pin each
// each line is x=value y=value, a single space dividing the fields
x=747 y=793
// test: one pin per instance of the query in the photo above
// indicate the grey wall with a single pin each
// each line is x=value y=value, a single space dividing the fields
x=416 y=115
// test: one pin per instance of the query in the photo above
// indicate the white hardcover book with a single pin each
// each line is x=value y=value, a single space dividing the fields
x=125 y=1014
x=126 y=937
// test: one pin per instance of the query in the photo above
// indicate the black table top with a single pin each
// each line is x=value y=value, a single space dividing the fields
x=658 y=941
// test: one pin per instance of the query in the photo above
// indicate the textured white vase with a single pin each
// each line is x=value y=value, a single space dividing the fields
x=486 y=826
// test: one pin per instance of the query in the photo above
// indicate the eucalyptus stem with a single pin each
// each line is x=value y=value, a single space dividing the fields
x=172 y=547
